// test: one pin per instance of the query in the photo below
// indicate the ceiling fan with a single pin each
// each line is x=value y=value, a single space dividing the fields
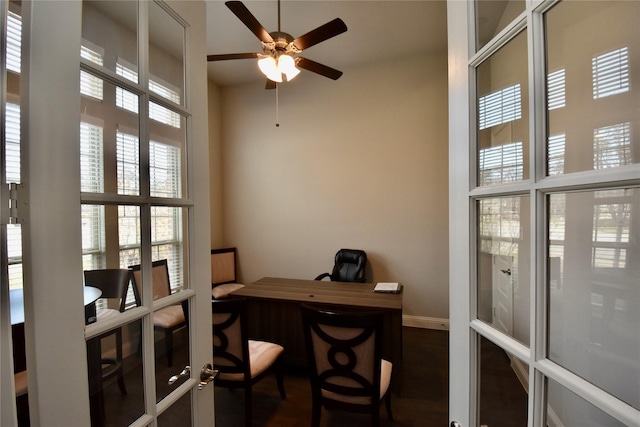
x=278 y=60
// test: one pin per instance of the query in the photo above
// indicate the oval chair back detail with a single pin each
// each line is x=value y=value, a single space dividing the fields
x=346 y=369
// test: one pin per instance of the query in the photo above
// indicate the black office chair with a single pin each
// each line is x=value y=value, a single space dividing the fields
x=346 y=368
x=350 y=265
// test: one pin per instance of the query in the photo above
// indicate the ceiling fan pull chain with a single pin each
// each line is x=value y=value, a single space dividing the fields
x=277 y=106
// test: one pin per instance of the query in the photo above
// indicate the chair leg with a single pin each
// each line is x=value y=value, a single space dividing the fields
x=375 y=417
x=121 y=385
x=316 y=410
x=387 y=402
x=168 y=339
x=280 y=378
x=248 y=406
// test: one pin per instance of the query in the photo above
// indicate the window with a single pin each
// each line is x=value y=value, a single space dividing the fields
x=501 y=164
x=91 y=85
x=612 y=146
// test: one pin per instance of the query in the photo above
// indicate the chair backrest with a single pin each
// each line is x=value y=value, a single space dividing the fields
x=113 y=282
x=230 y=343
x=223 y=266
x=159 y=278
x=343 y=351
x=350 y=265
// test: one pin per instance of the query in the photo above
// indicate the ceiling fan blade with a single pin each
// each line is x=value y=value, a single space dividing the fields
x=270 y=84
x=226 y=56
x=241 y=11
x=320 y=34
x=318 y=68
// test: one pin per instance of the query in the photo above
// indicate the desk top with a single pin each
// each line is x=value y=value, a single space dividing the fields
x=321 y=292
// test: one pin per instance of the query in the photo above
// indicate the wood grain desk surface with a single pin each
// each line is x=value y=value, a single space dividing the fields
x=321 y=292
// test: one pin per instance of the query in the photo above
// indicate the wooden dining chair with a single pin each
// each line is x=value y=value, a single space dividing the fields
x=240 y=361
x=114 y=284
x=167 y=319
x=346 y=369
x=224 y=272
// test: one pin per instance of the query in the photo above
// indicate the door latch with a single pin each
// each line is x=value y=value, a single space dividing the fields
x=207 y=375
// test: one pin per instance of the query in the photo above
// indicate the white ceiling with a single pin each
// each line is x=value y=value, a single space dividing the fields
x=377 y=31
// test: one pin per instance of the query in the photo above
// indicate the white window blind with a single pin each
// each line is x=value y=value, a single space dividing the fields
x=91 y=85
x=164 y=115
x=500 y=164
x=499 y=107
x=165 y=170
x=556 y=90
x=14 y=42
x=128 y=160
x=12 y=143
x=93 y=236
x=164 y=91
x=127 y=100
x=610 y=73
x=555 y=154
x=91 y=158
x=612 y=146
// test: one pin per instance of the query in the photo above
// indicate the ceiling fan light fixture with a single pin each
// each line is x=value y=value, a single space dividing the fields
x=269 y=68
x=287 y=65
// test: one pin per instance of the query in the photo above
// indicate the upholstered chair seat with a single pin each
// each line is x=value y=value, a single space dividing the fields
x=241 y=362
x=20 y=379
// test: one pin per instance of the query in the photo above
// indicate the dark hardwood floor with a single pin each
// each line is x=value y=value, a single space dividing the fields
x=422 y=400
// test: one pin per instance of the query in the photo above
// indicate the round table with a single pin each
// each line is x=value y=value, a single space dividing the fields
x=16 y=298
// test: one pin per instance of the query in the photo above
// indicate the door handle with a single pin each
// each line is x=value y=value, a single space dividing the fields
x=207 y=374
x=455 y=424
x=185 y=373
x=507 y=271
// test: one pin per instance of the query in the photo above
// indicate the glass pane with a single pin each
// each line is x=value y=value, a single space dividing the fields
x=179 y=414
x=110 y=33
x=503 y=394
x=109 y=143
x=594 y=288
x=492 y=16
x=172 y=355
x=166 y=55
x=592 y=107
x=565 y=408
x=167 y=156
x=503 y=125
x=118 y=399
x=504 y=265
x=168 y=234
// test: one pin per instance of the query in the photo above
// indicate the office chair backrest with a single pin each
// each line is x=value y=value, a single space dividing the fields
x=349 y=266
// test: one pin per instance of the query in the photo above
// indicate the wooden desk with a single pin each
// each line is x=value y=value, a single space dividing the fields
x=273 y=305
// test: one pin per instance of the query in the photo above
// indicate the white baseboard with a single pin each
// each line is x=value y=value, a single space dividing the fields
x=425 y=322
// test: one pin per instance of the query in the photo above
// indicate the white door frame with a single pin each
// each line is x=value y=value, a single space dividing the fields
x=50 y=211
x=465 y=329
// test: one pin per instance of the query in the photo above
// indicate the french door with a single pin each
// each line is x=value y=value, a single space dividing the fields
x=544 y=107
x=112 y=137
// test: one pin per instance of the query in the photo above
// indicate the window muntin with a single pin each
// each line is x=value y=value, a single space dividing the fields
x=493 y=15
x=502 y=122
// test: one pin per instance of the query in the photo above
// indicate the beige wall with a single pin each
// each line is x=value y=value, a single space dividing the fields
x=356 y=163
